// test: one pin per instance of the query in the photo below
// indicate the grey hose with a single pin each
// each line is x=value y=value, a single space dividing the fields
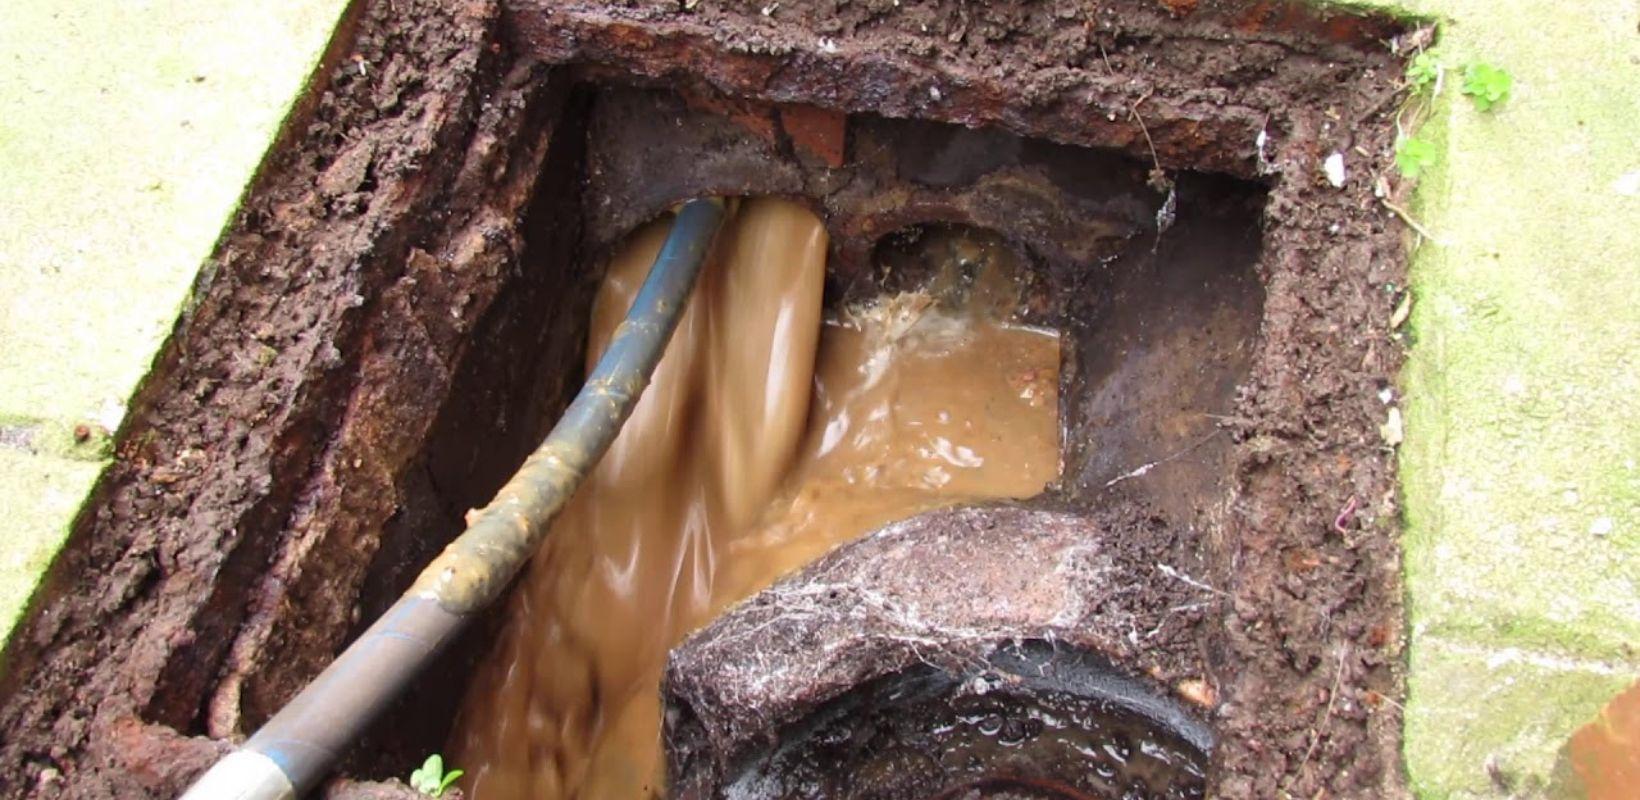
x=290 y=754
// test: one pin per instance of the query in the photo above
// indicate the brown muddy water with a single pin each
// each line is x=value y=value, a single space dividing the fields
x=772 y=432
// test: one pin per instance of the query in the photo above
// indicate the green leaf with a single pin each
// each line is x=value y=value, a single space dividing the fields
x=429 y=779
x=1415 y=156
x=449 y=778
x=1486 y=85
x=1423 y=71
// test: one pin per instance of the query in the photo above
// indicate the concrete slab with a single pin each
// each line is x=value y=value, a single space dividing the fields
x=127 y=133
x=1462 y=751
x=1523 y=396
x=38 y=502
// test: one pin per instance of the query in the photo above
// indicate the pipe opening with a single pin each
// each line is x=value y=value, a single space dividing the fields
x=1029 y=720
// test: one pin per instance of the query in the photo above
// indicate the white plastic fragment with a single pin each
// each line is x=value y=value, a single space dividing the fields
x=1265 y=166
x=1601 y=527
x=1168 y=212
x=110 y=414
x=1334 y=167
x=1402 y=311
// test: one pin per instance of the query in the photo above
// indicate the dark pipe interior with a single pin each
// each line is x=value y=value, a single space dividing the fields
x=1034 y=720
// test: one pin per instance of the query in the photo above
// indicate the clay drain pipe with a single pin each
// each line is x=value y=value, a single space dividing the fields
x=287 y=756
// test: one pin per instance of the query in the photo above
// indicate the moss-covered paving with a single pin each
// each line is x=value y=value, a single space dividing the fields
x=1521 y=468
x=127 y=133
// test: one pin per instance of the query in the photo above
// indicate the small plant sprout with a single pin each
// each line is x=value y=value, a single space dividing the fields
x=431 y=779
x=1424 y=72
x=1414 y=156
x=1486 y=85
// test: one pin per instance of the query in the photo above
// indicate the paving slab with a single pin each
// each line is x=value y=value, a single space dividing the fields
x=1462 y=750
x=1520 y=468
x=128 y=132
x=38 y=502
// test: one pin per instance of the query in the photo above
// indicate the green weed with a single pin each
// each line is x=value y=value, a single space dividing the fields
x=1423 y=72
x=1415 y=156
x=431 y=779
x=1486 y=85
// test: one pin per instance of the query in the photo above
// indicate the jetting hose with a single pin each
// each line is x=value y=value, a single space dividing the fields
x=287 y=756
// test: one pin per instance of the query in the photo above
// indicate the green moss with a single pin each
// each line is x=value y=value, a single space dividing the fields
x=127 y=135
x=130 y=133
x=1508 y=728
x=1523 y=402
x=38 y=503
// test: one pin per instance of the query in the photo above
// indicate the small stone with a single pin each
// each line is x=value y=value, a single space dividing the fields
x=1392 y=430
x=1334 y=167
x=1199 y=692
x=1601 y=527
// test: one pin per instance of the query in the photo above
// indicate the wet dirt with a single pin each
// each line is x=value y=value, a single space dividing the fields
x=764 y=440
x=365 y=356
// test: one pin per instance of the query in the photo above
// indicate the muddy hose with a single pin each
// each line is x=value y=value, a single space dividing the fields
x=288 y=755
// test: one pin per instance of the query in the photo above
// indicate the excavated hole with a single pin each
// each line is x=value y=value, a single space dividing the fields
x=1155 y=328
x=1183 y=256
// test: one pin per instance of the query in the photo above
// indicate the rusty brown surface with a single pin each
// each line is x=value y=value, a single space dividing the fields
x=223 y=558
x=1182 y=131
x=649 y=150
x=815 y=132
